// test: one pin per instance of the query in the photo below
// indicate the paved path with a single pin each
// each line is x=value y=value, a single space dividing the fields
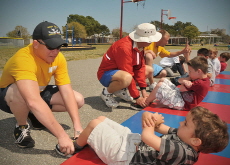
x=84 y=80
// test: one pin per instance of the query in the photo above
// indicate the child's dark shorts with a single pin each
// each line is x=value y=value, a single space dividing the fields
x=46 y=95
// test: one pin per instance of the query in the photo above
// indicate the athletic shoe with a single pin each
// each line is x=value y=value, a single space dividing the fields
x=22 y=136
x=136 y=106
x=57 y=148
x=109 y=100
x=35 y=123
x=152 y=86
x=173 y=81
x=123 y=95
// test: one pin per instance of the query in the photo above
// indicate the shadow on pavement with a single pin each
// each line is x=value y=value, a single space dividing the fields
x=7 y=139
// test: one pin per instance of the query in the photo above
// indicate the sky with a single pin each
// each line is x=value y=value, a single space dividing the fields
x=204 y=14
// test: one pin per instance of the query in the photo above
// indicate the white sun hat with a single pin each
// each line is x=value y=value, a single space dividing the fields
x=145 y=32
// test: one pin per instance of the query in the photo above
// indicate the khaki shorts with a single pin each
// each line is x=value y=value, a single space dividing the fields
x=113 y=143
x=169 y=95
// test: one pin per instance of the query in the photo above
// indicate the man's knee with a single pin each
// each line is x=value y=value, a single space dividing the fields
x=148 y=71
x=148 y=59
x=13 y=95
x=79 y=99
x=163 y=73
x=123 y=77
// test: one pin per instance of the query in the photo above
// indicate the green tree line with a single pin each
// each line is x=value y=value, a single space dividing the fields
x=84 y=26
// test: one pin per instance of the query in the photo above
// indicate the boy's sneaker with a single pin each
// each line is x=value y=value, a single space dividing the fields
x=68 y=156
x=152 y=86
x=22 y=136
x=123 y=95
x=35 y=123
x=136 y=106
x=173 y=81
x=109 y=100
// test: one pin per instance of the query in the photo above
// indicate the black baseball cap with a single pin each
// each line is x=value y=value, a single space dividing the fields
x=49 y=33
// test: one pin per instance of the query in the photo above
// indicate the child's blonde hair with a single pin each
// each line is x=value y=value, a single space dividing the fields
x=214 y=50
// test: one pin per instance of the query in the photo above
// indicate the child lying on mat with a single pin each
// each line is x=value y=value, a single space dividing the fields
x=192 y=91
x=202 y=131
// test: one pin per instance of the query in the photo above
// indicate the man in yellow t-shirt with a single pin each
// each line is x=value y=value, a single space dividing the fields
x=24 y=89
x=157 y=48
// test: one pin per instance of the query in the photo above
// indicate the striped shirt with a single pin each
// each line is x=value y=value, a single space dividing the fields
x=172 y=152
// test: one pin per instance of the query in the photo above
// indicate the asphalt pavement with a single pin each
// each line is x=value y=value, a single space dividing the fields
x=84 y=80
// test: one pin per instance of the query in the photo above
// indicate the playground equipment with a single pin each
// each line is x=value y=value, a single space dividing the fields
x=122 y=1
x=66 y=27
x=168 y=14
x=74 y=40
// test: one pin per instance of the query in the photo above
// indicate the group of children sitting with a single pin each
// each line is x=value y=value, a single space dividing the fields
x=168 y=66
x=201 y=131
x=194 y=84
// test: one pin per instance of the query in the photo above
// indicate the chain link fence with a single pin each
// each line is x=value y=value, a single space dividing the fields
x=8 y=42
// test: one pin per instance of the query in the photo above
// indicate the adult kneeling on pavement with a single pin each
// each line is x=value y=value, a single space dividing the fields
x=24 y=88
x=123 y=66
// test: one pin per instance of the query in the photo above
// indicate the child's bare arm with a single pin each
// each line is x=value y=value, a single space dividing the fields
x=150 y=123
x=149 y=138
x=163 y=129
x=180 y=80
x=185 y=81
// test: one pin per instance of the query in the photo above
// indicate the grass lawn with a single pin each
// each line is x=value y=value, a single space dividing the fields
x=6 y=53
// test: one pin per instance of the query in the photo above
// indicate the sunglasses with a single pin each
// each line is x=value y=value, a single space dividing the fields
x=58 y=48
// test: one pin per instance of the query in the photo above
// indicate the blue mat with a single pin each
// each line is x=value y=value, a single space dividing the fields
x=217 y=98
x=134 y=124
x=222 y=81
x=225 y=72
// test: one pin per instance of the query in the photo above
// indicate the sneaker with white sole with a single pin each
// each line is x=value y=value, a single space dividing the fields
x=76 y=149
x=109 y=100
x=123 y=94
x=152 y=86
x=22 y=136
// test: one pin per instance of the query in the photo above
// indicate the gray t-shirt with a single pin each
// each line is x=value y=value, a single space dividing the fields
x=173 y=151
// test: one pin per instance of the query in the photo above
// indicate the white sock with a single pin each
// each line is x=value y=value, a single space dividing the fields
x=106 y=92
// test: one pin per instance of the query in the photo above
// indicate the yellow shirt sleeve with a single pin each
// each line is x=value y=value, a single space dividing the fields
x=158 y=50
x=163 y=52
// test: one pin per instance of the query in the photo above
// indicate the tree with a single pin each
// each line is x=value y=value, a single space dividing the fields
x=79 y=30
x=19 y=32
x=104 y=30
x=116 y=33
x=191 y=32
x=91 y=25
x=226 y=39
x=157 y=24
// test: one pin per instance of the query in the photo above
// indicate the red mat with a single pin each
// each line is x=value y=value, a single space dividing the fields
x=220 y=88
x=85 y=157
x=209 y=159
x=223 y=111
x=223 y=76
